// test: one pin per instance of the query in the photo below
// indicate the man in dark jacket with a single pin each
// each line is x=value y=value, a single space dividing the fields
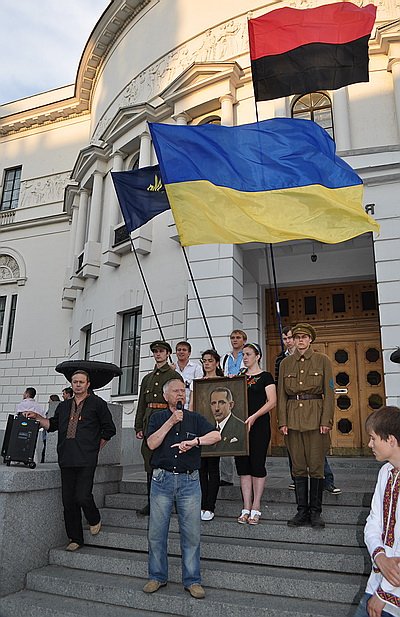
x=84 y=424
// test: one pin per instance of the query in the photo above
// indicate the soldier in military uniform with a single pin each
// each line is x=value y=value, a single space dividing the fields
x=151 y=399
x=305 y=417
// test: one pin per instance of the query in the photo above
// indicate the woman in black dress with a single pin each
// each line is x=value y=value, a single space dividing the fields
x=261 y=398
x=209 y=470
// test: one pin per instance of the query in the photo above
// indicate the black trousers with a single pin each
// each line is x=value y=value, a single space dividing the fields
x=77 y=486
x=209 y=482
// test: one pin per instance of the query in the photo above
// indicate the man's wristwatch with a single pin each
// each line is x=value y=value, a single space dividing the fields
x=198 y=441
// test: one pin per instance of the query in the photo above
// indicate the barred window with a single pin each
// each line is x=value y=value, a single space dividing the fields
x=8 y=308
x=88 y=338
x=130 y=352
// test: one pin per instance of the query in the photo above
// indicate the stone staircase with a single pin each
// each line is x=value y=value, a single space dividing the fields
x=268 y=570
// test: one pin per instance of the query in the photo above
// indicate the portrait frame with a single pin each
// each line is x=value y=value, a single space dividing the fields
x=235 y=442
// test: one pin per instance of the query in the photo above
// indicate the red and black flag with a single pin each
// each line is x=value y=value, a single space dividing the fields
x=295 y=51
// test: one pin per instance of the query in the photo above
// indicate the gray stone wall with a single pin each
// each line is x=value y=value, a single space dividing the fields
x=31 y=514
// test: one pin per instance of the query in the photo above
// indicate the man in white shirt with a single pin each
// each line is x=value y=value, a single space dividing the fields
x=233 y=361
x=188 y=369
x=28 y=403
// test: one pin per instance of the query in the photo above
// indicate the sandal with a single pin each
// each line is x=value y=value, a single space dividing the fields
x=254 y=519
x=244 y=517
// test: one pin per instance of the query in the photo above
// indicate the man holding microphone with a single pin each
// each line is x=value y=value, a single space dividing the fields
x=175 y=437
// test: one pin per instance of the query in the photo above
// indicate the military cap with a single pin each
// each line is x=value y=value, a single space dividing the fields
x=163 y=344
x=304 y=328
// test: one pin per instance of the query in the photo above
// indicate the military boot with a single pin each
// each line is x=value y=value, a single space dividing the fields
x=316 y=490
x=302 y=517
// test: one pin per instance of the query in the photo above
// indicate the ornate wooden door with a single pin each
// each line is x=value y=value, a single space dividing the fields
x=346 y=431
x=351 y=339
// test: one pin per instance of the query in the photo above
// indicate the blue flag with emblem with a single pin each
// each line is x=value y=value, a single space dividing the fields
x=141 y=195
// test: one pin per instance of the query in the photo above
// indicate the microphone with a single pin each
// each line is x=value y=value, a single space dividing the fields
x=179 y=406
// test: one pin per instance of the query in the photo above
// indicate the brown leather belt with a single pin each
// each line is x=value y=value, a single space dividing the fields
x=304 y=397
x=157 y=405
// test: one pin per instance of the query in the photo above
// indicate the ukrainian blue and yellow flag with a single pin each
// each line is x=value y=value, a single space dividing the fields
x=269 y=181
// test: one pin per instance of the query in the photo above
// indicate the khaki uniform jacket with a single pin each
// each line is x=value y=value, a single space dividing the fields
x=151 y=391
x=310 y=373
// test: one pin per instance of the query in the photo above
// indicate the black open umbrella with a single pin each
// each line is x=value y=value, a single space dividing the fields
x=395 y=356
x=100 y=373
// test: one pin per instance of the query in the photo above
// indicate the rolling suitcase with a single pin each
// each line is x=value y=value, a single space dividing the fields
x=20 y=440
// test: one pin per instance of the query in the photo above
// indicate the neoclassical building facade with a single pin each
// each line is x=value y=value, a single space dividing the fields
x=70 y=286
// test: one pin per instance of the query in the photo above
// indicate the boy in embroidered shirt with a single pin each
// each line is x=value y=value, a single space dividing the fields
x=382 y=529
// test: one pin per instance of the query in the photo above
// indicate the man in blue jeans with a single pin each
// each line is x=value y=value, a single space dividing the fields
x=175 y=436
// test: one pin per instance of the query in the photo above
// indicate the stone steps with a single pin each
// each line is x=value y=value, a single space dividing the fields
x=315 y=556
x=28 y=603
x=272 y=530
x=359 y=496
x=345 y=515
x=126 y=591
x=269 y=570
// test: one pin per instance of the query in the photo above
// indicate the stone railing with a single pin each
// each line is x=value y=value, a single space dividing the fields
x=7 y=217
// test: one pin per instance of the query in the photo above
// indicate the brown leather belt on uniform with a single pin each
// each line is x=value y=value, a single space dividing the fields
x=304 y=397
x=157 y=405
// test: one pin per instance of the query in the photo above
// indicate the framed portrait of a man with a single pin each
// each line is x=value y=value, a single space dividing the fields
x=223 y=402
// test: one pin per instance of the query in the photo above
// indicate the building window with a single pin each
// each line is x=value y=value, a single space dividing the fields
x=130 y=352
x=316 y=106
x=88 y=336
x=9 y=269
x=135 y=162
x=12 y=184
x=211 y=120
x=8 y=307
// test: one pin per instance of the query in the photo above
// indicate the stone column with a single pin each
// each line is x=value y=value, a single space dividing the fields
x=115 y=211
x=394 y=67
x=145 y=150
x=281 y=108
x=226 y=102
x=341 y=119
x=81 y=222
x=182 y=118
x=72 y=240
x=95 y=207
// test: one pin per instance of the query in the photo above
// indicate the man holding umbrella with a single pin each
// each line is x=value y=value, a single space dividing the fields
x=84 y=424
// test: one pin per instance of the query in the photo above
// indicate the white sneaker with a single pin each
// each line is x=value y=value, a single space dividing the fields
x=207 y=516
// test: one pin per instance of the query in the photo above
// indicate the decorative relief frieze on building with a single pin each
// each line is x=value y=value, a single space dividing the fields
x=225 y=42
x=222 y=43
x=46 y=190
x=387 y=9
